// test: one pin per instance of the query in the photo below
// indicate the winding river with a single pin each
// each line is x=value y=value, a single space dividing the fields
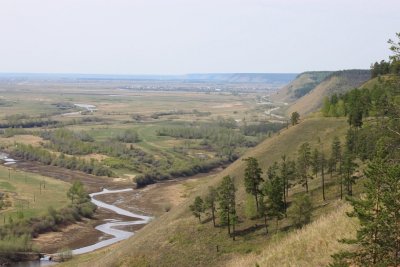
x=107 y=228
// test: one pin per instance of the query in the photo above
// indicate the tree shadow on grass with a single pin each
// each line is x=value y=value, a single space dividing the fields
x=206 y=220
x=248 y=230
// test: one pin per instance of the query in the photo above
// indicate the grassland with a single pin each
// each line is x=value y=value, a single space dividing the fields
x=176 y=238
x=30 y=194
x=123 y=105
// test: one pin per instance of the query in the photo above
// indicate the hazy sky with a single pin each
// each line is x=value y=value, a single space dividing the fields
x=186 y=36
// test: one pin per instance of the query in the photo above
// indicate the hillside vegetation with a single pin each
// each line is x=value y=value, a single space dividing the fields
x=301 y=85
x=178 y=239
x=337 y=82
x=309 y=246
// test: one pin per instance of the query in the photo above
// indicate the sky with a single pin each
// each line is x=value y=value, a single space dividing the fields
x=194 y=36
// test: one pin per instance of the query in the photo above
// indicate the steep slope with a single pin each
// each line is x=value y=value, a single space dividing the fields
x=300 y=86
x=337 y=82
x=177 y=239
x=311 y=246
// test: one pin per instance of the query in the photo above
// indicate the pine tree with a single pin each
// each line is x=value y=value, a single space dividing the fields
x=301 y=210
x=326 y=107
x=378 y=211
x=285 y=174
x=336 y=151
x=292 y=175
x=263 y=212
x=304 y=161
x=315 y=158
x=210 y=201
x=197 y=207
x=322 y=162
x=294 y=118
x=349 y=166
x=227 y=203
x=252 y=178
x=273 y=189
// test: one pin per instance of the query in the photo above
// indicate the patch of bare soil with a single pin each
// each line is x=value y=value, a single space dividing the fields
x=80 y=234
x=92 y=183
x=155 y=199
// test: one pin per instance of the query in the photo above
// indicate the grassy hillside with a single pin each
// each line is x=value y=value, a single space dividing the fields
x=337 y=82
x=178 y=239
x=303 y=84
x=309 y=246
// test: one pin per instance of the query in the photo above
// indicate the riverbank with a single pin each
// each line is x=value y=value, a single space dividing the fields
x=154 y=200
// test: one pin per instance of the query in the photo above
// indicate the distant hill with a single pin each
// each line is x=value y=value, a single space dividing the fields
x=336 y=82
x=270 y=78
x=300 y=86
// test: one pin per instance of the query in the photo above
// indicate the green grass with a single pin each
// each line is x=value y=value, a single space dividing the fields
x=23 y=190
x=6 y=186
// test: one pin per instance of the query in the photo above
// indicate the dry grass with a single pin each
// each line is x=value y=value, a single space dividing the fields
x=310 y=246
x=313 y=100
x=95 y=156
x=24 y=139
x=286 y=93
x=339 y=83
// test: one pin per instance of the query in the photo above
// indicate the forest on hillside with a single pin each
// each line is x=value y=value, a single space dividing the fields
x=369 y=157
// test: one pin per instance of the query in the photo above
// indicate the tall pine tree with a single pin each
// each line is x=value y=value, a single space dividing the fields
x=304 y=162
x=252 y=178
x=227 y=204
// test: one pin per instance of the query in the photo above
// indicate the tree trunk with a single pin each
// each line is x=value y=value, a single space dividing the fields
x=348 y=183
x=265 y=224
x=341 y=187
x=229 y=225
x=287 y=188
x=256 y=196
x=284 y=202
x=213 y=214
x=306 y=184
x=323 y=183
x=233 y=230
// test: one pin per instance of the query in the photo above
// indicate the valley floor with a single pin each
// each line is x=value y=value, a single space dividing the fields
x=152 y=200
